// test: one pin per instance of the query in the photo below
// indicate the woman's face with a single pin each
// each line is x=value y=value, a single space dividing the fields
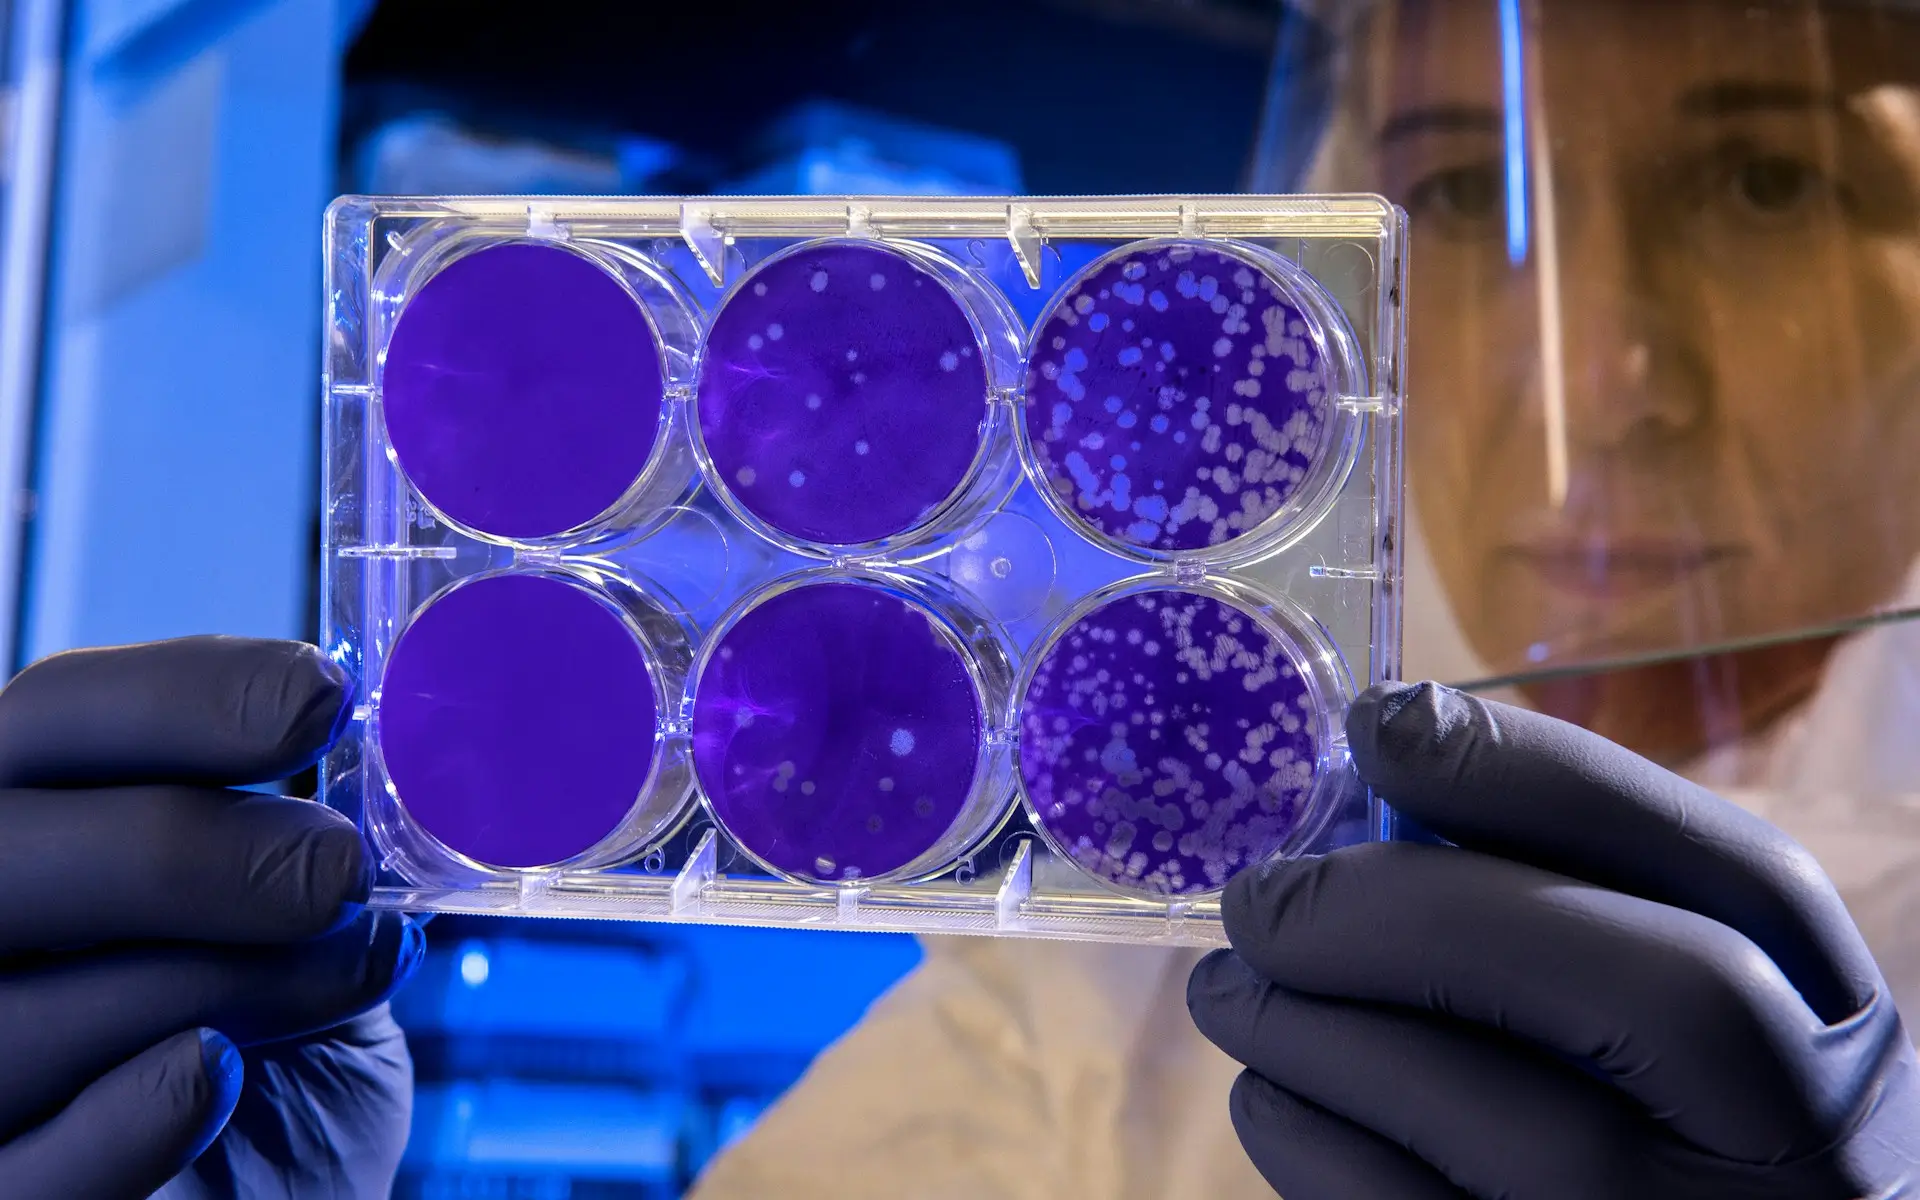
x=1673 y=400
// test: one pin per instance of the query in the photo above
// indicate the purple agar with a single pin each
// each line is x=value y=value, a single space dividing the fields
x=522 y=391
x=1175 y=397
x=517 y=721
x=837 y=733
x=1167 y=741
x=842 y=393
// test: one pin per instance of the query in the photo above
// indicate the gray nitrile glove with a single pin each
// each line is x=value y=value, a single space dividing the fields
x=1617 y=985
x=174 y=953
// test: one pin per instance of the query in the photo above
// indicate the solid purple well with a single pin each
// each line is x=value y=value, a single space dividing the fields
x=842 y=393
x=836 y=732
x=517 y=720
x=522 y=391
x=1175 y=398
x=1166 y=742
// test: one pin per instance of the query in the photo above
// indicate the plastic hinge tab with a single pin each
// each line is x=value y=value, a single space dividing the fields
x=708 y=244
x=691 y=883
x=541 y=224
x=1177 y=913
x=849 y=904
x=1014 y=889
x=1025 y=240
x=534 y=885
x=1320 y=571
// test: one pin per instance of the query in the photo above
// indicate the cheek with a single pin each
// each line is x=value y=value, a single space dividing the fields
x=1890 y=341
x=1876 y=436
x=1777 y=420
x=1819 y=394
x=1819 y=398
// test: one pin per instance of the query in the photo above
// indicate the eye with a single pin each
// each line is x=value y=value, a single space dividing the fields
x=1774 y=185
x=1462 y=199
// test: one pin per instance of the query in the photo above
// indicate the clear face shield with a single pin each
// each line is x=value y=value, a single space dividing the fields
x=1664 y=426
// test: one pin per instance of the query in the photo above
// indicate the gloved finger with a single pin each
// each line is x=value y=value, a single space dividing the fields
x=173 y=863
x=68 y=1020
x=132 y=1129
x=1308 y=1153
x=1527 y=787
x=1684 y=1014
x=1489 y=1113
x=309 y=1098
x=206 y=710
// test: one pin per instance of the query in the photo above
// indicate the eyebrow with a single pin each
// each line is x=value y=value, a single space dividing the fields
x=1445 y=118
x=1722 y=98
x=1737 y=97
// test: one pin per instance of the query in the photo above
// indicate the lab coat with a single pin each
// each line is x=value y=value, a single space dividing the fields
x=1029 y=1070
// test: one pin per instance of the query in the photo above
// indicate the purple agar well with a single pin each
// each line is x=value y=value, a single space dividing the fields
x=837 y=732
x=1175 y=397
x=841 y=394
x=1166 y=742
x=517 y=721
x=522 y=391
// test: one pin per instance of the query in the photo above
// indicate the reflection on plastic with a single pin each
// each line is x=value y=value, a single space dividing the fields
x=1007 y=565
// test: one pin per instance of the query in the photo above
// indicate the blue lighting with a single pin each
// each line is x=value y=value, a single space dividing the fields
x=1514 y=84
x=475 y=967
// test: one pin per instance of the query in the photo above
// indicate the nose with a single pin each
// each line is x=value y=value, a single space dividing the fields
x=1630 y=369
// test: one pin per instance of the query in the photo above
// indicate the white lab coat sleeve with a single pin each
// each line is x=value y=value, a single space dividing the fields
x=1011 y=1069
x=1846 y=785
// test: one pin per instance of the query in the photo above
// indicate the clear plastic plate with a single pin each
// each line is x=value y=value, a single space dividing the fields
x=977 y=565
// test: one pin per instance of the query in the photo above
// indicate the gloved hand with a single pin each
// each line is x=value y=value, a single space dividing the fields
x=152 y=922
x=1618 y=985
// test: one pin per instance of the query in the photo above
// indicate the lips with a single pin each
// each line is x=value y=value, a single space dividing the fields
x=1615 y=565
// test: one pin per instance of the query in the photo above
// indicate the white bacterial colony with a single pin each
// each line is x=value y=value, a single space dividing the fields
x=843 y=366
x=1159 y=408
x=1166 y=758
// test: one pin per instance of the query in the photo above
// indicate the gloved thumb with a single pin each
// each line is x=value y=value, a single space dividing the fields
x=132 y=1129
